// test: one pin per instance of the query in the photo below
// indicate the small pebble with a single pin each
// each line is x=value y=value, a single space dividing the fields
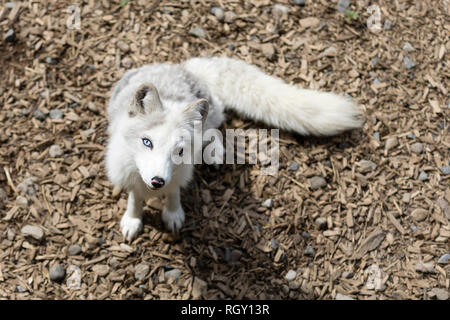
x=417 y=147
x=74 y=280
x=321 y=222
x=3 y=195
x=365 y=166
x=51 y=61
x=218 y=12
x=268 y=50
x=309 y=251
x=406 y=197
x=444 y=258
x=409 y=64
x=285 y=289
x=74 y=250
x=376 y=135
x=101 y=269
x=317 y=182
x=343 y=297
x=425 y=267
x=274 y=244
x=56 y=114
x=374 y=61
x=408 y=47
x=441 y=294
x=294 y=166
x=376 y=82
x=92 y=106
x=57 y=273
x=423 y=176
x=141 y=271
x=387 y=24
x=391 y=143
x=10 y=35
x=10 y=234
x=299 y=2
x=348 y=274
x=411 y=136
x=20 y=289
x=127 y=62
x=343 y=5
x=198 y=32
x=235 y=255
x=22 y=201
x=38 y=114
x=172 y=274
x=123 y=46
x=305 y=235
x=229 y=16
x=32 y=231
x=55 y=151
x=10 y=5
x=291 y=275
x=267 y=203
x=445 y=170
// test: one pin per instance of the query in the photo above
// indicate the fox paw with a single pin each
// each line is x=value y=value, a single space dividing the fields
x=173 y=220
x=130 y=227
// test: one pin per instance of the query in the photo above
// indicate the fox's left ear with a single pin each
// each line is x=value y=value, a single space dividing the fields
x=145 y=100
x=201 y=106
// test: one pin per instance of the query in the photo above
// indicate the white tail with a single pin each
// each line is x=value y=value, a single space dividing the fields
x=254 y=94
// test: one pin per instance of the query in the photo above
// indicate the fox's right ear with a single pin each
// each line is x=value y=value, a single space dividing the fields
x=145 y=100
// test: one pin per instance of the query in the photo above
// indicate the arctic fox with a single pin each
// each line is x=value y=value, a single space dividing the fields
x=150 y=103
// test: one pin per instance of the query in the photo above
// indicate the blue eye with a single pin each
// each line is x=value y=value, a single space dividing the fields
x=147 y=143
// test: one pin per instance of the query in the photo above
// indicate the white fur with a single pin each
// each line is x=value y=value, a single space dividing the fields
x=223 y=82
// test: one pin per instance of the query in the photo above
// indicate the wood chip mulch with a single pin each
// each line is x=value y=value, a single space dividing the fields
x=378 y=228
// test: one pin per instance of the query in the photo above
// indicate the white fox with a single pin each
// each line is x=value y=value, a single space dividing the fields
x=150 y=103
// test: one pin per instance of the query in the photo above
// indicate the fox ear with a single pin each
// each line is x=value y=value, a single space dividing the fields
x=145 y=100
x=201 y=106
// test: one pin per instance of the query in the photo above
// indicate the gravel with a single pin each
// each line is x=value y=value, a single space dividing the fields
x=445 y=170
x=423 y=176
x=299 y=2
x=57 y=273
x=321 y=222
x=218 y=12
x=173 y=274
x=290 y=275
x=387 y=24
x=32 y=231
x=101 y=269
x=293 y=166
x=419 y=214
x=55 y=151
x=417 y=148
x=444 y=258
x=408 y=47
x=74 y=250
x=342 y=5
x=267 y=203
x=409 y=63
x=317 y=182
x=10 y=35
x=141 y=271
x=38 y=114
x=56 y=114
x=309 y=251
x=73 y=282
x=198 y=32
x=365 y=166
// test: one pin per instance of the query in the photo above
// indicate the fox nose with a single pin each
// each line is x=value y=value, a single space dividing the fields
x=157 y=182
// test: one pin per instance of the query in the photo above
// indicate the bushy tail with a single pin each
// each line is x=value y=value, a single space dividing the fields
x=256 y=95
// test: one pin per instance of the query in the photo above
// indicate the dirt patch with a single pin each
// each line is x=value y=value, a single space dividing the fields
x=377 y=229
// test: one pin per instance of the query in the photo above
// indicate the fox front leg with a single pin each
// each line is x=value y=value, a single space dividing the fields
x=173 y=214
x=131 y=223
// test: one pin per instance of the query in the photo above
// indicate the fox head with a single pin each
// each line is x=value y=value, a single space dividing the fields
x=160 y=135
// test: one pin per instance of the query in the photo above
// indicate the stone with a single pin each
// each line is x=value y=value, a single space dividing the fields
x=198 y=288
x=10 y=234
x=374 y=278
x=374 y=61
x=330 y=52
x=343 y=5
x=20 y=289
x=235 y=255
x=406 y=198
x=218 y=12
x=279 y=10
x=408 y=47
x=56 y=114
x=22 y=201
x=32 y=231
x=309 y=22
x=173 y=274
x=347 y=274
x=10 y=35
x=309 y=251
x=409 y=63
x=229 y=16
x=92 y=107
x=127 y=62
x=268 y=50
x=27 y=187
x=141 y=271
x=444 y=258
x=445 y=170
x=291 y=275
x=38 y=114
x=417 y=147
x=419 y=214
x=365 y=166
x=387 y=24
x=197 y=31
x=123 y=46
x=74 y=250
x=294 y=166
x=73 y=282
x=321 y=222
x=267 y=203
x=51 y=61
x=343 y=297
x=101 y=269
x=299 y=2
x=391 y=143
x=57 y=273
x=317 y=182
x=55 y=151
x=376 y=135
x=441 y=294
x=423 y=176
x=425 y=267
x=376 y=82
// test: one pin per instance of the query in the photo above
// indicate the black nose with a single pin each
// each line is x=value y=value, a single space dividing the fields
x=157 y=182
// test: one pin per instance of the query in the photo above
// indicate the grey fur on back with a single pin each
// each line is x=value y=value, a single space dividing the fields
x=173 y=83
